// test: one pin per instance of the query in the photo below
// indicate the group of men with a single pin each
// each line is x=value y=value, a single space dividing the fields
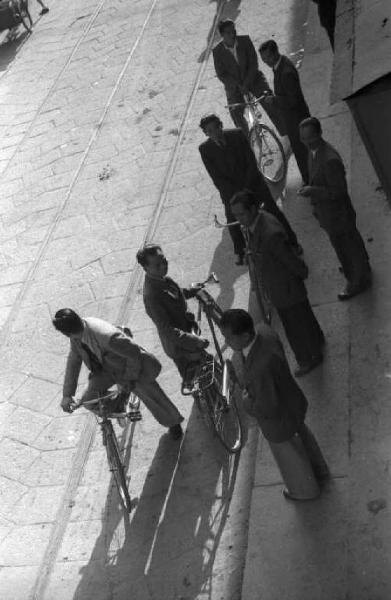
x=271 y=393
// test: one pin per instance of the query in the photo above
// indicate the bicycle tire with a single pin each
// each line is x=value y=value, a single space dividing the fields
x=225 y=417
x=268 y=152
x=116 y=467
x=20 y=6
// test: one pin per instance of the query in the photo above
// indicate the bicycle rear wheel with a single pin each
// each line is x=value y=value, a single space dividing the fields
x=116 y=466
x=269 y=152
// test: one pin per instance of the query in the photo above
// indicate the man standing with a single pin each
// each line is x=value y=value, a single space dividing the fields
x=282 y=273
x=236 y=65
x=273 y=397
x=232 y=166
x=112 y=357
x=288 y=99
x=333 y=208
x=165 y=304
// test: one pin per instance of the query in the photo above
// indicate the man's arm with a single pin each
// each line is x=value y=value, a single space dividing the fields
x=252 y=58
x=291 y=83
x=336 y=186
x=225 y=77
x=72 y=372
x=175 y=336
x=282 y=249
x=220 y=180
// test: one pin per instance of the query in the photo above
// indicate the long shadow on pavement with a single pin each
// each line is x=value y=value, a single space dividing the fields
x=171 y=540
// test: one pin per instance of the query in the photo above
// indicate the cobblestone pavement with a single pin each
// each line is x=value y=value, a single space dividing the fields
x=99 y=136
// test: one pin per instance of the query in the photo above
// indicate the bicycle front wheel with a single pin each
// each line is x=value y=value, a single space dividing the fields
x=116 y=466
x=269 y=153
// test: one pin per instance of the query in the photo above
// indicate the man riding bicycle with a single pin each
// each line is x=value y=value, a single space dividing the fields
x=165 y=303
x=112 y=357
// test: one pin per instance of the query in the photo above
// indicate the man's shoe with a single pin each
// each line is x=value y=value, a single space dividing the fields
x=307 y=367
x=239 y=260
x=176 y=432
x=350 y=292
x=288 y=496
x=44 y=11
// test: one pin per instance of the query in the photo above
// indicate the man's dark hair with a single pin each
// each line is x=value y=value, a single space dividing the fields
x=67 y=321
x=209 y=119
x=223 y=24
x=312 y=122
x=245 y=197
x=145 y=252
x=269 y=46
x=238 y=321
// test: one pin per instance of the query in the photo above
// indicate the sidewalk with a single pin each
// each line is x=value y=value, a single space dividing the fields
x=337 y=547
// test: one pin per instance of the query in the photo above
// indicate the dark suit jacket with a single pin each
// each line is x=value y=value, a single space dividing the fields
x=165 y=304
x=244 y=72
x=330 y=199
x=280 y=269
x=274 y=398
x=288 y=95
x=234 y=167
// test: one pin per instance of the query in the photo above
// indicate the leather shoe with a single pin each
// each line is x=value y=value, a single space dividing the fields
x=350 y=292
x=307 y=367
x=239 y=260
x=288 y=496
x=176 y=432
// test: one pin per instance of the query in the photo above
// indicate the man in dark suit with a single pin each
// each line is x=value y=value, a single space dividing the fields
x=165 y=304
x=333 y=208
x=282 y=273
x=231 y=164
x=273 y=397
x=236 y=65
x=288 y=99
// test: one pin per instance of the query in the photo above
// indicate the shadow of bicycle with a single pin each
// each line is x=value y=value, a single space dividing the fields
x=168 y=546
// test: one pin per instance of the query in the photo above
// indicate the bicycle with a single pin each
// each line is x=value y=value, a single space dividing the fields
x=267 y=148
x=100 y=406
x=263 y=299
x=14 y=13
x=212 y=382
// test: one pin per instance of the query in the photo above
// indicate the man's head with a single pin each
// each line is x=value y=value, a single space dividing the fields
x=311 y=132
x=228 y=32
x=244 y=206
x=68 y=322
x=153 y=261
x=269 y=53
x=212 y=126
x=237 y=327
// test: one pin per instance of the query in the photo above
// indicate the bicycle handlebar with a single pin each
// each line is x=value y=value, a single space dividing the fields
x=248 y=102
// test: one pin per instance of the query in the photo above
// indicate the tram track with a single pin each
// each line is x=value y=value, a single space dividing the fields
x=88 y=433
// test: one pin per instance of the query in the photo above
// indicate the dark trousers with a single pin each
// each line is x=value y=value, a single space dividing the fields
x=314 y=453
x=298 y=148
x=303 y=331
x=326 y=12
x=350 y=249
x=235 y=231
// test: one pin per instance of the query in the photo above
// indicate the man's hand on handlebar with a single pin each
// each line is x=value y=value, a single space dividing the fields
x=203 y=343
x=69 y=404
